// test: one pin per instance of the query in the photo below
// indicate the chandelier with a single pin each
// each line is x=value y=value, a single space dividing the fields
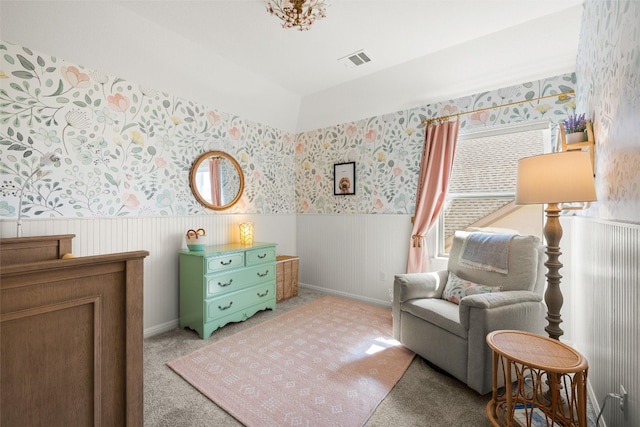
x=297 y=13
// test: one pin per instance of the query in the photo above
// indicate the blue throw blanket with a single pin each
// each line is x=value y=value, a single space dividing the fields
x=486 y=251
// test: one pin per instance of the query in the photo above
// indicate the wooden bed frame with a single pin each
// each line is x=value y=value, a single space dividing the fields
x=71 y=333
x=33 y=249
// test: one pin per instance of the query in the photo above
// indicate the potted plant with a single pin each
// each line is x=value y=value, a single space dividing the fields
x=575 y=127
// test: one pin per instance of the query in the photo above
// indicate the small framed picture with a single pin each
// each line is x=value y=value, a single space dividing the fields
x=344 y=179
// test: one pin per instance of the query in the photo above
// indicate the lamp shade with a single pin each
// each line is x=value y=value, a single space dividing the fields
x=246 y=233
x=555 y=178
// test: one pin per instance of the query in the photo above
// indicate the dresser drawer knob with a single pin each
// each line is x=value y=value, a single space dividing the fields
x=263 y=274
x=264 y=294
x=262 y=256
x=225 y=308
x=226 y=263
x=222 y=285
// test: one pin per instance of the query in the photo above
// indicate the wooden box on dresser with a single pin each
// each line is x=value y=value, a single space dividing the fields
x=71 y=335
x=226 y=283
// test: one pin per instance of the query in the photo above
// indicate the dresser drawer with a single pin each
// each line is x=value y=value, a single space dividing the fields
x=224 y=262
x=226 y=283
x=236 y=301
x=238 y=279
x=258 y=256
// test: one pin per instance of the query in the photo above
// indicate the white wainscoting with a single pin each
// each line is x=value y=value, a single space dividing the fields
x=606 y=303
x=163 y=237
x=355 y=256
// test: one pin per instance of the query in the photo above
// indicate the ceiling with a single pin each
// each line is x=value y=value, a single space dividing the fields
x=234 y=56
x=391 y=32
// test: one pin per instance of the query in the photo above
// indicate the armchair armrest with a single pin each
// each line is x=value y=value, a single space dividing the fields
x=484 y=313
x=499 y=299
x=412 y=286
x=419 y=285
x=499 y=307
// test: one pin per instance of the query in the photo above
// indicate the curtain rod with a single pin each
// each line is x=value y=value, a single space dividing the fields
x=561 y=96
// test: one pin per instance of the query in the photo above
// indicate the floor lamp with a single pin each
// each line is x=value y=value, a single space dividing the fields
x=553 y=179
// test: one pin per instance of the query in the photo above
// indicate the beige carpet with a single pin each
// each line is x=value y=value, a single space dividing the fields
x=327 y=363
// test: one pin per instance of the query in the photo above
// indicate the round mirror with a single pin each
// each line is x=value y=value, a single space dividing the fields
x=216 y=180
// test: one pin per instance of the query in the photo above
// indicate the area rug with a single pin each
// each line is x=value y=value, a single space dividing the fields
x=327 y=363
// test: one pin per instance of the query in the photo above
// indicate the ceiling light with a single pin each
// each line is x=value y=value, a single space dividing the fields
x=297 y=13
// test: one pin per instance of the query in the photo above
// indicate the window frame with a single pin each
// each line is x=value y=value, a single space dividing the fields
x=545 y=126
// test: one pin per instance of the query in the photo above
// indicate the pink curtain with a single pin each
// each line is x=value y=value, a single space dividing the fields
x=214 y=176
x=433 y=183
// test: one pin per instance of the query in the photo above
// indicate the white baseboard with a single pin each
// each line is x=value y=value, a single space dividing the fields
x=164 y=327
x=354 y=297
x=594 y=403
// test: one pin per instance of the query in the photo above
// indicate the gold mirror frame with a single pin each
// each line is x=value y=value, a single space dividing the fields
x=193 y=184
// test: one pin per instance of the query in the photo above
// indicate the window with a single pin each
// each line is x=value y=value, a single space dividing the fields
x=483 y=182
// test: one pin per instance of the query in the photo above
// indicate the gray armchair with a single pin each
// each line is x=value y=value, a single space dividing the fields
x=451 y=333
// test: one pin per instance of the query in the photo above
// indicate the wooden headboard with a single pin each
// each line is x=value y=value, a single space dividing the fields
x=21 y=250
x=72 y=332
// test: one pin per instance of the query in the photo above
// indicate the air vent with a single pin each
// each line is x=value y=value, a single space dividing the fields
x=355 y=59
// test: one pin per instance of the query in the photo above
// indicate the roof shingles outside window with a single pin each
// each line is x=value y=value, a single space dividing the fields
x=486 y=165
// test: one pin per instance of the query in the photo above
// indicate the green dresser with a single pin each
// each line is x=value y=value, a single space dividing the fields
x=226 y=283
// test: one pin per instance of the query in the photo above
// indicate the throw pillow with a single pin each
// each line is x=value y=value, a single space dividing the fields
x=457 y=288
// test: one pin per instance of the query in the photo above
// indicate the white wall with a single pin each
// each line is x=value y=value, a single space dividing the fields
x=108 y=37
x=373 y=95
x=163 y=237
x=606 y=301
x=354 y=256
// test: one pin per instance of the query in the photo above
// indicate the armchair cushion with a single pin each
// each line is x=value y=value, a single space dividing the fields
x=438 y=312
x=522 y=265
x=457 y=288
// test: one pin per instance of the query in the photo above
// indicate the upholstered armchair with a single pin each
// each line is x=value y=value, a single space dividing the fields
x=492 y=282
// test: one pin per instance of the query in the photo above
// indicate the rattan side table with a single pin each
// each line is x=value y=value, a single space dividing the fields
x=545 y=381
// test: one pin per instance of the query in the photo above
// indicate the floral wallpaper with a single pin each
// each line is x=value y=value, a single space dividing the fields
x=126 y=149
x=387 y=148
x=608 y=64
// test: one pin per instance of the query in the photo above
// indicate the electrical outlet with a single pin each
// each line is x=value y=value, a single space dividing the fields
x=383 y=276
x=624 y=398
